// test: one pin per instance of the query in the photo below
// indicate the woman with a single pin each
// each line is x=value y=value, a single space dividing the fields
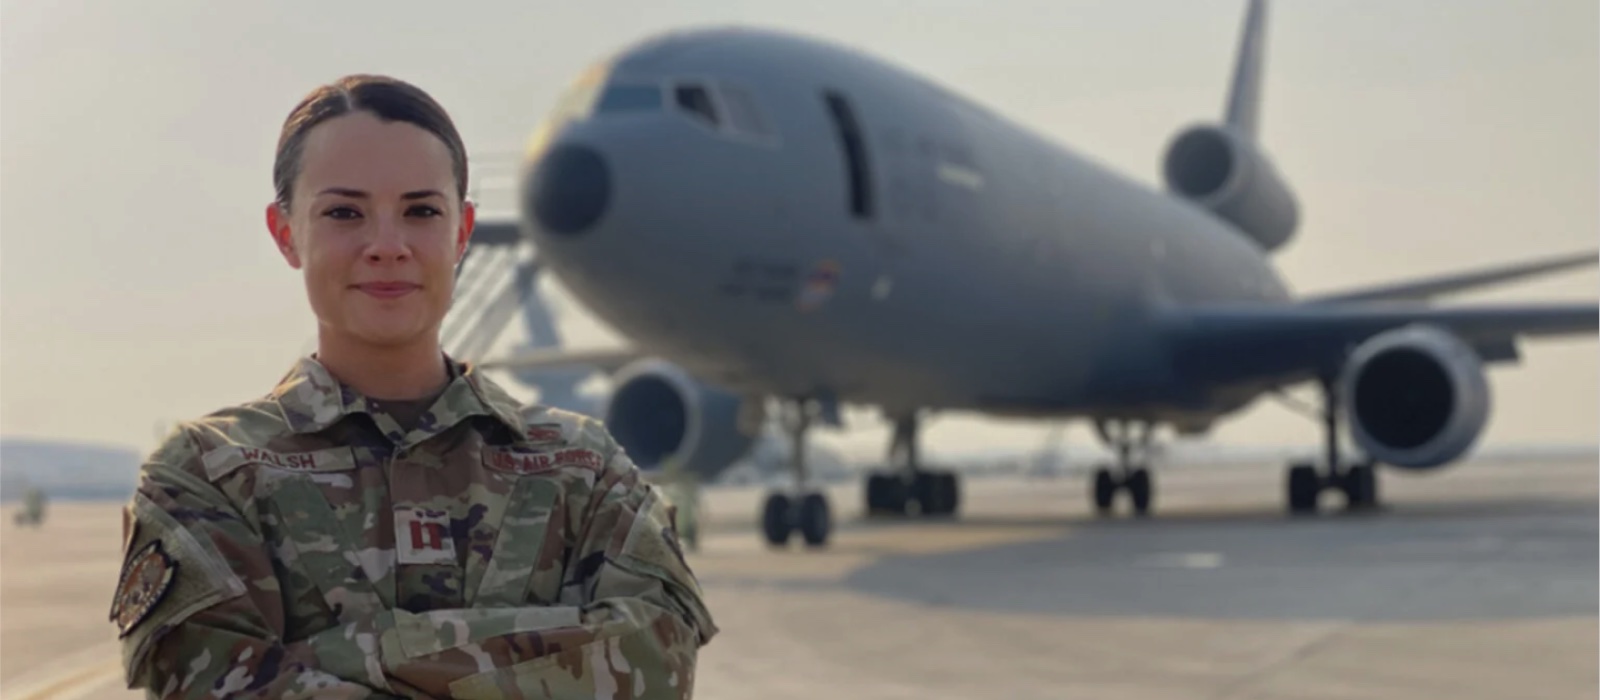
x=387 y=522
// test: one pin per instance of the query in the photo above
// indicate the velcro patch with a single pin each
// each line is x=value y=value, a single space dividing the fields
x=146 y=577
x=223 y=460
x=422 y=536
x=513 y=462
x=578 y=457
x=546 y=434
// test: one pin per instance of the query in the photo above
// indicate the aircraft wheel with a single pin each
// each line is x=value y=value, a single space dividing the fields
x=1105 y=491
x=952 y=492
x=776 y=520
x=815 y=520
x=928 y=491
x=1304 y=486
x=1361 y=486
x=1141 y=487
x=875 y=494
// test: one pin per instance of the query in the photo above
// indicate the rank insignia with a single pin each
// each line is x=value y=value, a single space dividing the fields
x=145 y=579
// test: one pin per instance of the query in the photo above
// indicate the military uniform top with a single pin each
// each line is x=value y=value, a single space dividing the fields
x=308 y=545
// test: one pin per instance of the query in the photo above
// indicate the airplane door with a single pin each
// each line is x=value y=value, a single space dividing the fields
x=865 y=203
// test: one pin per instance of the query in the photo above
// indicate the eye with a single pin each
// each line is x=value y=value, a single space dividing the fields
x=342 y=213
x=424 y=210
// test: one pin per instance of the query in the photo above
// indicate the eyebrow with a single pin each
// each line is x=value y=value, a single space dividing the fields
x=359 y=194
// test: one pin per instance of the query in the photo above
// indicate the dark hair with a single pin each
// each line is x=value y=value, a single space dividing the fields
x=388 y=98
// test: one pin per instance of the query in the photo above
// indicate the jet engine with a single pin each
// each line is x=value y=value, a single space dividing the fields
x=1417 y=396
x=663 y=417
x=1228 y=175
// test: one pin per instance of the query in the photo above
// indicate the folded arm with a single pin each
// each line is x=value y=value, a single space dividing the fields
x=215 y=629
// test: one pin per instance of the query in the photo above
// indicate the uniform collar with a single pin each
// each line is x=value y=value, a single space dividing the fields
x=313 y=400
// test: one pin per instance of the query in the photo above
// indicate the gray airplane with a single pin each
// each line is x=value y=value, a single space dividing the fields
x=767 y=216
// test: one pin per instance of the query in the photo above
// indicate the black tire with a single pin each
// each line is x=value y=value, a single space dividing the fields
x=815 y=520
x=952 y=493
x=1142 y=489
x=1303 y=486
x=896 y=495
x=927 y=491
x=777 y=520
x=1361 y=487
x=1104 y=491
x=875 y=494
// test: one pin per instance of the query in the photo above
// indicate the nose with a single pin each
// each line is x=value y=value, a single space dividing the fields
x=569 y=189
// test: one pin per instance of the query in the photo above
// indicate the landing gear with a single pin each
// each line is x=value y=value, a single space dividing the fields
x=1130 y=472
x=907 y=486
x=807 y=510
x=1359 y=482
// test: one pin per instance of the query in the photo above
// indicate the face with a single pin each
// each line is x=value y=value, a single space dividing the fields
x=377 y=229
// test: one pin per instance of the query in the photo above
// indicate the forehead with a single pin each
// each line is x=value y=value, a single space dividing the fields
x=361 y=151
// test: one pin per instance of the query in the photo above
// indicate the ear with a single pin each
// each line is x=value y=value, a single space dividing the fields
x=278 y=226
x=469 y=219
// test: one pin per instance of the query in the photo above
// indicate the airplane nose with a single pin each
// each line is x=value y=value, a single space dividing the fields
x=569 y=189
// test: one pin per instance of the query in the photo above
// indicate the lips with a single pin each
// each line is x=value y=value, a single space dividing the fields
x=388 y=290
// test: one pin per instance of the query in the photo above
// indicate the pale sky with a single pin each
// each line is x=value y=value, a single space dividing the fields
x=138 y=284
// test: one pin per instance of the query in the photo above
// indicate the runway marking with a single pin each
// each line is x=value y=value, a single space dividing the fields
x=1185 y=560
x=72 y=684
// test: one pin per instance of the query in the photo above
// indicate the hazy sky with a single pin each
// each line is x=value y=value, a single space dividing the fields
x=139 y=285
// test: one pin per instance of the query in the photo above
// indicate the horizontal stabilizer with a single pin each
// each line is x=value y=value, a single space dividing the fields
x=1416 y=290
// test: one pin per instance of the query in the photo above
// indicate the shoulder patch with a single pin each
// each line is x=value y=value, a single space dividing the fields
x=145 y=579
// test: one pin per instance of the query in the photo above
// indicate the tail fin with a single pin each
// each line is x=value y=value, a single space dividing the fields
x=1244 y=98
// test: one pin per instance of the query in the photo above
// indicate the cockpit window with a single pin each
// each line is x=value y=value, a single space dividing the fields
x=743 y=114
x=696 y=100
x=630 y=98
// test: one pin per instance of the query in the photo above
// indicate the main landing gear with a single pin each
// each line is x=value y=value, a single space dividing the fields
x=806 y=510
x=1132 y=472
x=1359 y=482
x=907 y=485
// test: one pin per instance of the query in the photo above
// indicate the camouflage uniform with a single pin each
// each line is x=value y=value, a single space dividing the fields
x=304 y=545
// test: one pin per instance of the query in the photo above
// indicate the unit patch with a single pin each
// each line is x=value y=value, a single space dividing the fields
x=145 y=579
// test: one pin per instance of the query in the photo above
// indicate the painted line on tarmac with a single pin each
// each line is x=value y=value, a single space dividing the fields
x=70 y=685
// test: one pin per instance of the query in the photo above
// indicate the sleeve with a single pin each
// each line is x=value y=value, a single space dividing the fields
x=632 y=617
x=198 y=608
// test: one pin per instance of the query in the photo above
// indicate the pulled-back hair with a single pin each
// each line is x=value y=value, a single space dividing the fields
x=388 y=98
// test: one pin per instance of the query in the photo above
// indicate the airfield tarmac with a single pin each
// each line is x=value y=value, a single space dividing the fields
x=1479 y=582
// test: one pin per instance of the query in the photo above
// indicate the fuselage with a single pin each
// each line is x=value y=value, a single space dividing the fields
x=782 y=215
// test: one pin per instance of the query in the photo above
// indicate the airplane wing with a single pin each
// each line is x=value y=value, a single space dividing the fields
x=1293 y=342
x=1459 y=282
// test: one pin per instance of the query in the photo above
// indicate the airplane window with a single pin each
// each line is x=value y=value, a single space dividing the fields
x=743 y=114
x=630 y=98
x=695 y=100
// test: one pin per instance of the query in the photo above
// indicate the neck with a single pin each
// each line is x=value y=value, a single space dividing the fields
x=394 y=373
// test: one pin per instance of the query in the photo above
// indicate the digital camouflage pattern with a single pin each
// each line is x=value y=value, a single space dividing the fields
x=319 y=550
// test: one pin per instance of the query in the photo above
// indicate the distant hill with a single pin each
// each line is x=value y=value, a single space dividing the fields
x=66 y=471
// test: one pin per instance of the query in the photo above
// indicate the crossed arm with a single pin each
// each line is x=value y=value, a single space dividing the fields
x=630 y=615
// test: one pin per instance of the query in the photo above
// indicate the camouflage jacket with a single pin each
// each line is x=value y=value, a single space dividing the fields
x=303 y=545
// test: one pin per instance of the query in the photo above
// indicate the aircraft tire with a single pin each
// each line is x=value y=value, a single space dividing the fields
x=928 y=491
x=815 y=520
x=1141 y=488
x=875 y=494
x=952 y=492
x=1105 y=491
x=777 y=520
x=1361 y=487
x=1303 y=486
